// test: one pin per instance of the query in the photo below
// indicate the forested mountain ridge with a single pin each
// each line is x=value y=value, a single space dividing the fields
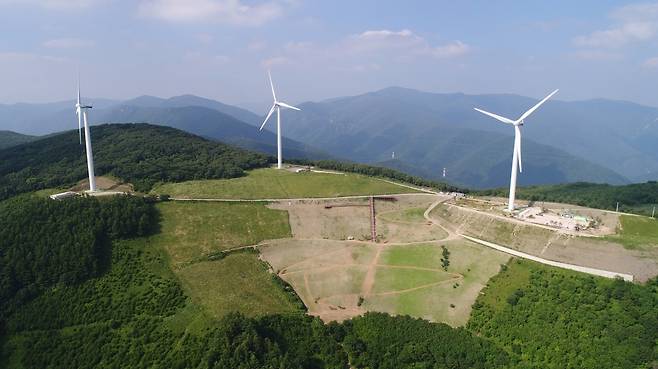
x=435 y=131
x=602 y=141
x=633 y=198
x=9 y=138
x=211 y=124
x=202 y=117
x=142 y=154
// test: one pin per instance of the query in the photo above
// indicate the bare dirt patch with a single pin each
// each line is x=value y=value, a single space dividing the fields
x=344 y=219
x=550 y=244
x=338 y=280
x=104 y=183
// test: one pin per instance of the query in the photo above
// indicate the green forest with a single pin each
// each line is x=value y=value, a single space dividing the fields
x=636 y=198
x=101 y=297
x=141 y=154
x=559 y=319
x=44 y=243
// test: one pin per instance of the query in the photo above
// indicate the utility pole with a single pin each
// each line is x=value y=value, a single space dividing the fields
x=653 y=212
x=617 y=207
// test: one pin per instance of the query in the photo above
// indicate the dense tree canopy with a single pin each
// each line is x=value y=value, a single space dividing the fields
x=632 y=198
x=379 y=341
x=45 y=242
x=142 y=154
x=562 y=320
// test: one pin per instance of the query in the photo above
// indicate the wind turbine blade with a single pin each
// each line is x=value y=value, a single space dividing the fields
x=518 y=152
x=287 y=106
x=78 y=112
x=498 y=117
x=267 y=117
x=271 y=85
x=526 y=114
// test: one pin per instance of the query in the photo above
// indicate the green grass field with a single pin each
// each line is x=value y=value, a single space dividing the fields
x=636 y=232
x=238 y=282
x=192 y=230
x=412 y=215
x=450 y=301
x=278 y=184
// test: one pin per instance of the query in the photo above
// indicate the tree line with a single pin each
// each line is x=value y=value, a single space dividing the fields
x=632 y=198
x=374 y=171
x=141 y=154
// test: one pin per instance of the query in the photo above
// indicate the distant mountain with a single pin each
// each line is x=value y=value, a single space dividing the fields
x=191 y=100
x=563 y=142
x=9 y=139
x=197 y=115
x=41 y=119
x=210 y=124
x=595 y=141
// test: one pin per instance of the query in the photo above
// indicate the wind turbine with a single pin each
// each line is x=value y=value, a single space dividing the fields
x=277 y=105
x=516 y=157
x=81 y=112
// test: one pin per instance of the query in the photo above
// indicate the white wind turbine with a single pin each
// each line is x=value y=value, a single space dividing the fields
x=516 y=157
x=277 y=105
x=81 y=112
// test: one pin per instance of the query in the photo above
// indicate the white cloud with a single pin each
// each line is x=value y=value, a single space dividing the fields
x=618 y=36
x=234 y=12
x=597 y=55
x=68 y=43
x=632 y=23
x=29 y=57
x=406 y=43
x=200 y=57
x=651 y=62
x=274 y=61
x=455 y=48
x=53 y=4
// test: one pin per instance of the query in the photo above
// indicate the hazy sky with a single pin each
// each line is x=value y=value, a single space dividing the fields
x=320 y=49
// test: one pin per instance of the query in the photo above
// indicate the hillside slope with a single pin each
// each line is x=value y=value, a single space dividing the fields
x=203 y=117
x=139 y=153
x=9 y=138
x=211 y=124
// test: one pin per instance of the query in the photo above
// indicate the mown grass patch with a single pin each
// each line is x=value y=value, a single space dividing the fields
x=279 y=184
x=192 y=230
x=238 y=282
x=636 y=232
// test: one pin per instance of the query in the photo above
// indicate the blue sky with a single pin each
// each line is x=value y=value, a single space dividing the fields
x=321 y=49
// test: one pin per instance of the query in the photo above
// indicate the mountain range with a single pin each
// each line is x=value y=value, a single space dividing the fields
x=202 y=117
x=602 y=141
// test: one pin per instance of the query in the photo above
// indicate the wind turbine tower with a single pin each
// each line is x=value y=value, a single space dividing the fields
x=277 y=105
x=81 y=112
x=516 y=156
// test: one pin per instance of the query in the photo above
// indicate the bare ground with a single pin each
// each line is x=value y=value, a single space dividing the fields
x=550 y=244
